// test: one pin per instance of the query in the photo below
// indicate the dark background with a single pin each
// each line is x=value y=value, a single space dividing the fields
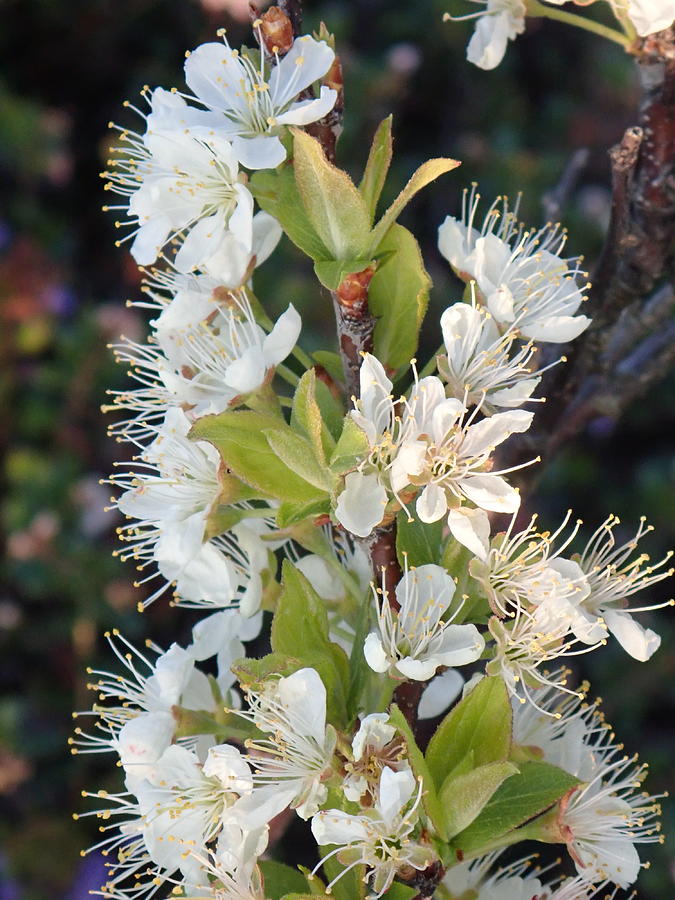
x=67 y=65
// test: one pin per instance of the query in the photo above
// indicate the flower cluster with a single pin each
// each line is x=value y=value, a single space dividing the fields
x=362 y=530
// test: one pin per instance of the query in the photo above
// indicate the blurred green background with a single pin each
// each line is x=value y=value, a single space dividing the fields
x=67 y=66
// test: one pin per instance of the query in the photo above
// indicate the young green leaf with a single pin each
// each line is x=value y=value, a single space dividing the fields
x=281 y=879
x=521 y=797
x=379 y=160
x=352 y=448
x=277 y=193
x=297 y=453
x=398 y=296
x=306 y=417
x=480 y=722
x=332 y=272
x=462 y=797
x=427 y=172
x=300 y=629
x=331 y=200
x=290 y=514
x=417 y=542
x=420 y=769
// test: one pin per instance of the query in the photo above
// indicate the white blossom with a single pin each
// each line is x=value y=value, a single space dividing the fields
x=291 y=764
x=412 y=640
x=204 y=366
x=647 y=16
x=498 y=23
x=613 y=577
x=520 y=275
x=168 y=498
x=183 y=182
x=513 y=881
x=374 y=746
x=480 y=365
x=603 y=819
x=250 y=103
x=381 y=838
x=430 y=447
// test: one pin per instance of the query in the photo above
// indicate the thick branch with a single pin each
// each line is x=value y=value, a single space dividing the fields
x=355 y=325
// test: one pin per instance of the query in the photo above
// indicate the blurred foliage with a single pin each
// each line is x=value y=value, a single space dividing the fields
x=68 y=64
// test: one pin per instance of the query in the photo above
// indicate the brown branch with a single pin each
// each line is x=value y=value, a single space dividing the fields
x=638 y=253
x=355 y=325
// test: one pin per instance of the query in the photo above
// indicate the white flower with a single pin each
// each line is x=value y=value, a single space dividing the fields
x=500 y=22
x=374 y=746
x=250 y=104
x=183 y=181
x=479 y=366
x=509 y=882
x=650 y=16
x=520 y=275
x=429 y=445
x=169 y=498
x=441 y=691
x=613 y=577
x=602 y=820
x=526 y=643
x=203 y=367
x=148 y=690
x=289 y=766
x=522 y=571
x=184 y=803
x=233 y=873
x=380 y=838
x=412 y=639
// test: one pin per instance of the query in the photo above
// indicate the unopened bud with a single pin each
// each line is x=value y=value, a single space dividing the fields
x=276 y=31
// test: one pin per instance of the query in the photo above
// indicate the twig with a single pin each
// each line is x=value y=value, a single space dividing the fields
x=554 y=201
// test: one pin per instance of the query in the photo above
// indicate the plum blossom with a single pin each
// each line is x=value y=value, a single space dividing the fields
x=520 y=275
x=374 y=746
x=204 y=366
x=500 y=22
x=182 y=182
x=431 y=448
x=414 y=641
x=250 y=103
x=612 y=577
x=647 y=16
x=291 y=764
x=381 y=838
x=168 y=497
x=479 y=366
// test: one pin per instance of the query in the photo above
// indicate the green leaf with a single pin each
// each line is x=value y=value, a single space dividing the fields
x=350 y=886
x=251 y=671
x=332 y=202
x=240 y=439
x=475 y=607
x=290 y=514
x=480 y=722
x=521 y=797
x=420 y=769
x=379 y=160
x=421 y=543
x=332 y=272
x=306 y=417
x=331 y=408
x=277 y=193
x=300 y=629
x=281 y=880
x=462 y=797
x=400 y=892
x=351 y=449
x=398 y=296
x=298 y=455
x=427 y=172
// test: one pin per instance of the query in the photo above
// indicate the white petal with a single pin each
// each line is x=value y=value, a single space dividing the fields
x=202 y=242
x=374 y=653
x=306 y=62
x=488 y=43
x=452 y=243
x=432 y=504
x=360 y=507
x=556 y=329
x=260 y=152
x=471 y=527
x=440 y=693
x=460 y=645
x=491 y=492
x=418 y=669
x=266 y=235
x=142 y=741
x=641 y=643
x=248 y=372
x=500 y=304
x=283 y=337
x=226 y=763
x=306 y=111
x=332 y=826
x=149 y=240
x=650 y=16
